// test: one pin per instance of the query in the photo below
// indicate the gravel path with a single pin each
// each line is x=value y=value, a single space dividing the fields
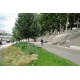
x=5 y=46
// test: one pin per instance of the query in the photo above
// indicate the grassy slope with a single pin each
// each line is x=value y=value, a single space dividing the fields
x=48 y=59
x=45 y=58
x=14 y=56
x=1 y=58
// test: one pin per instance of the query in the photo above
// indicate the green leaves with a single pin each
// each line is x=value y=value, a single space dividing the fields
x=32 y=25
x=50 y=21
x=58 y=21
x=27 y=26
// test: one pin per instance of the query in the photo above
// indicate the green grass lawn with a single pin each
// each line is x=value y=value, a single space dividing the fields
x=49 y=59
x=45 y=58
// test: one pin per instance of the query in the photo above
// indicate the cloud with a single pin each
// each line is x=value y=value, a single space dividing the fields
x=7 y=21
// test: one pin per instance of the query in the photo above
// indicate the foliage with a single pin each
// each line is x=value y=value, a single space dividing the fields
x=58 y=21
x=26 y=26
x=27 y=48
x=32 y=25
x=52 y=21
x=45 y=58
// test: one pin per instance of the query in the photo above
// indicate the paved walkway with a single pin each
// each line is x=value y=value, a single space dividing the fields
x=70 y=54
x=4 y=46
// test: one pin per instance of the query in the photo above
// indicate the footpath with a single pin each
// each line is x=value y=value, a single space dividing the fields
x=5 y=46
x=67 y=53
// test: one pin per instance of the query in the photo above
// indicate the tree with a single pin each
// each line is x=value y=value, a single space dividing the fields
x=27 y=26
x=77 y=19
x=32 y=25
x=71 y=20
x=52 y=21
x=47 y=22
x=16 y=34
x=61 y=19
x=35 y=28
x=74 y=20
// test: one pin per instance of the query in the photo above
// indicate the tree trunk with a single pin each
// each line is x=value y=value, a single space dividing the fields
x=70 y=27
x=34 y=39
x=77 y=24
x=67 y=22
x=60 y=27
x=28 y=40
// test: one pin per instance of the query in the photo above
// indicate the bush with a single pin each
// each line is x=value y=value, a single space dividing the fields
x=27 y=48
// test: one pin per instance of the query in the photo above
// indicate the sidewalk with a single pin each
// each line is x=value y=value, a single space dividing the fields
x=5 y=46
x=67 y=53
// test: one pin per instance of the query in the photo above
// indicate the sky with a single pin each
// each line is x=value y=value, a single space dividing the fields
x=7 y=21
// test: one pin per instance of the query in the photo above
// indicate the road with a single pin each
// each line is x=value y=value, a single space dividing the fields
x=67 y=53
x=4 y=46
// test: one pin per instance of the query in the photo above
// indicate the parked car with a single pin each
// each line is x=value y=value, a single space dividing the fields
x=8 y=41
x=0 y=43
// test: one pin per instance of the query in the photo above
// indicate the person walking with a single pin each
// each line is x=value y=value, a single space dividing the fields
x=0 y=42
x=42 y=41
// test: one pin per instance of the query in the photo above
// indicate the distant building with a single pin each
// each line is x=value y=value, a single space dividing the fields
x=2 y=31
x=5 y=36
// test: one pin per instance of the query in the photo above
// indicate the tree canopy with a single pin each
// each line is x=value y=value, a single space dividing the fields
x=32 y=25
x=26 y=26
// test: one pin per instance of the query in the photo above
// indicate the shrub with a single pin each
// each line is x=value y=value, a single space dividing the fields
x=27 y=48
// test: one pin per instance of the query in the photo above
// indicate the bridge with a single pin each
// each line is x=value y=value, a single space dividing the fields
x=5 y=37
